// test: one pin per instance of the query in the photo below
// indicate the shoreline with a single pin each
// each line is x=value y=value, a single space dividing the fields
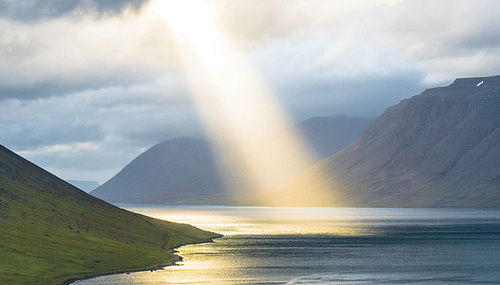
x=155 y=267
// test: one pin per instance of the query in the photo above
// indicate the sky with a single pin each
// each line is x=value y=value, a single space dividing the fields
x=87 y=85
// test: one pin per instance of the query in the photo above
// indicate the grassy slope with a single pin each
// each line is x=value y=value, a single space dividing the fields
x=51 y=232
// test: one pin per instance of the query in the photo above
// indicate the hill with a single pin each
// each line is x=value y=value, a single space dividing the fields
x=177 y=170
x=185 y=170
x=437 y=149
x=52 y=232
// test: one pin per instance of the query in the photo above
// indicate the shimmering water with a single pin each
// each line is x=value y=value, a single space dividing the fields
x=330 y=246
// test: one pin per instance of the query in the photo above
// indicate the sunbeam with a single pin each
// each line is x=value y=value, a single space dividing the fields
x=238 y=109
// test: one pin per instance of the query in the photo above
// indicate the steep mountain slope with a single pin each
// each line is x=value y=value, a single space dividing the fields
x=437 y=149
x=185 y=170
x=50 y=231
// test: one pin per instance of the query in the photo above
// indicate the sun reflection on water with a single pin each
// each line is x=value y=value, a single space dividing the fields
x=247 y=231
x=266 y=220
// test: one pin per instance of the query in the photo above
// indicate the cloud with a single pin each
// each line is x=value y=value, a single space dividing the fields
x=256 y=22
x=83 y=161
x=93 y=115
x=36 y=10
x=446 y=38
x=342 y=71
x=442 y=39
x=29 y=135
x=77 y=52
x=354 y=97
x=66 y=55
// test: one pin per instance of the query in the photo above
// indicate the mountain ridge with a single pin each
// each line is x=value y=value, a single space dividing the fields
x=421 y=152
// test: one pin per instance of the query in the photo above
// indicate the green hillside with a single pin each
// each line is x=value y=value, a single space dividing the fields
x=51 y=232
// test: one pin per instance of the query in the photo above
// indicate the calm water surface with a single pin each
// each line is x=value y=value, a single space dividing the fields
x=263 y=245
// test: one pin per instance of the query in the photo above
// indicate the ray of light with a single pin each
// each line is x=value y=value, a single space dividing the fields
x=237 y=108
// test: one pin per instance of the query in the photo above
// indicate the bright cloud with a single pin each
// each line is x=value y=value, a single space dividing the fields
x=452 y=38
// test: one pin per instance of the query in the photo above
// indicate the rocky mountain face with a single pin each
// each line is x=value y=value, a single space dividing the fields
x=437 y=149
x=185 y=170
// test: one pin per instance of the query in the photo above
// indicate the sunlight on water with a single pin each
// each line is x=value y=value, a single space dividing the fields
x=266 y=245
x=265 y=220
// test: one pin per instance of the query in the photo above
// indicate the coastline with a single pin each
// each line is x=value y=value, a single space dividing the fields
x=175 y=258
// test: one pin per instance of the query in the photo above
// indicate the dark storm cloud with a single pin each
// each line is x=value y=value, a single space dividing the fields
x=35 y=10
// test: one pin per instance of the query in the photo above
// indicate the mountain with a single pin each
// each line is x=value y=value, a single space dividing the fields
x=185 y=170
x=52 y=232
x=177 y=170
x=86 y=186
x=437 y=149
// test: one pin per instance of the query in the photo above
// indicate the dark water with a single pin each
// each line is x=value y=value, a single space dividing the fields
x=331 y=246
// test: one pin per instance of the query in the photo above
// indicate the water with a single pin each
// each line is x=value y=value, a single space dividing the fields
x=330 y=246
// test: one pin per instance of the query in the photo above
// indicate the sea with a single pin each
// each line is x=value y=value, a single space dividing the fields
x=290 y=245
